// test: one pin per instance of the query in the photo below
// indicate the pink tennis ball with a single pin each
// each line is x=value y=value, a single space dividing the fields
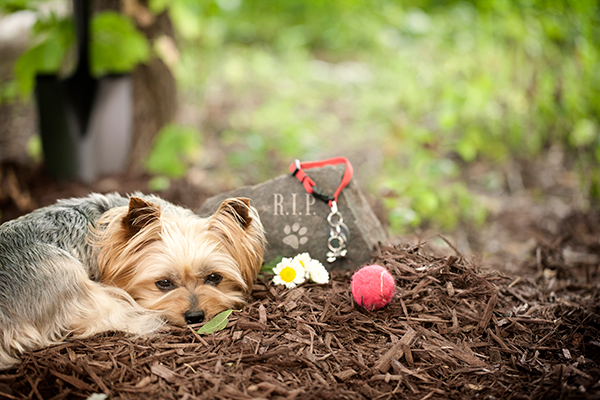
x=373 y=287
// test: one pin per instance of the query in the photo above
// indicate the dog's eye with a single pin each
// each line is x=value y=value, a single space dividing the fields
x=213 y=279
x=165 y=284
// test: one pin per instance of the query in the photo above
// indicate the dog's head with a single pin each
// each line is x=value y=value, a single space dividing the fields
x=186 y=267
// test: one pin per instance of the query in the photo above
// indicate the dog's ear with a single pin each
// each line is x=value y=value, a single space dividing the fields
x=237 y=208
x=238 y=225
x=141 y=213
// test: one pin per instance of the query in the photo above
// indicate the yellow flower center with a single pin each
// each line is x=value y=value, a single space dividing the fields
x=287 y=274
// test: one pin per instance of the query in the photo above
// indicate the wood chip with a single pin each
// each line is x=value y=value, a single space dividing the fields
x=487 y=314
x=344 y=375
x=72 y=380
x=164 y=372
x=397 y=351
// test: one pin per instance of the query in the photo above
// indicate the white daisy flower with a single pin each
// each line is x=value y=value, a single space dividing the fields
x=289 y=273
x=304 y=259
x=317 y=272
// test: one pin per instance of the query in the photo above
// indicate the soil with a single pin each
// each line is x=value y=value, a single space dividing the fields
x=455 y=329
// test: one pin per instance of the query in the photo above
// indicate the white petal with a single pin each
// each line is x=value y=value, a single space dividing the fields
x=318 y=273
x=278 y=281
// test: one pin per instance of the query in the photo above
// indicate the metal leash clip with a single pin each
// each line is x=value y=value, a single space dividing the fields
x=338 y=234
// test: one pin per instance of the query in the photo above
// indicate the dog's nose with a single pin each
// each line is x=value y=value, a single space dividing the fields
x=194 y=317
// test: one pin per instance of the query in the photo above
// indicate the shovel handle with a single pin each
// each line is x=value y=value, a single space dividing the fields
x=81 y=16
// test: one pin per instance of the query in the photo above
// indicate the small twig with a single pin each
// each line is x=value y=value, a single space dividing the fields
x=458 y=253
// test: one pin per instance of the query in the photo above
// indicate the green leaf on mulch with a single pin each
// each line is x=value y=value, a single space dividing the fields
x=218 y=323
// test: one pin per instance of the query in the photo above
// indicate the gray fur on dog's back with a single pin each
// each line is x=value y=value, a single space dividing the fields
x=64 y=225
x=31 y=245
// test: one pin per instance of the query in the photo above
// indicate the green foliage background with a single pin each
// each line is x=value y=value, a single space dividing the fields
x=415 y=91
x=425 y=89
x=116 y=45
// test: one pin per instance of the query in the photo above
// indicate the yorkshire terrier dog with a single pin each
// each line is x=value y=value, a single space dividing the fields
x=110 y=263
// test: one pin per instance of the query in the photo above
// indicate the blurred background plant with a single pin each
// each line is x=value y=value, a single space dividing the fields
x=116 y=45
x=440 y=105
x=174 y=149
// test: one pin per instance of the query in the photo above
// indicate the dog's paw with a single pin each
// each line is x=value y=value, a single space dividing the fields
x=295 y=235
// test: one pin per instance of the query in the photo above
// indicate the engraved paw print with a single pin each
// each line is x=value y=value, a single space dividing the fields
x=295 y=235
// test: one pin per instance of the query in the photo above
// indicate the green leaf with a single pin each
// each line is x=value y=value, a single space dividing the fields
x=426 y=202
x=402 y=217
x=11 y=6
x=159 y=183
x=268 y=268
x=34 y=148
x=218 y=323
x=54 y=37
x=186 y=16
x=117 y=46
x=584 y=132
x=9 y=91
x=172 y=150
x=466 y=149
x=158 y=6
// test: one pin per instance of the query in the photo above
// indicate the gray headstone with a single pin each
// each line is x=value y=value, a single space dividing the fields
x=296 y=222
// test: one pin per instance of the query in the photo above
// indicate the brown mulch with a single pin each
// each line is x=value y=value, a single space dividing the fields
x=452 y=331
